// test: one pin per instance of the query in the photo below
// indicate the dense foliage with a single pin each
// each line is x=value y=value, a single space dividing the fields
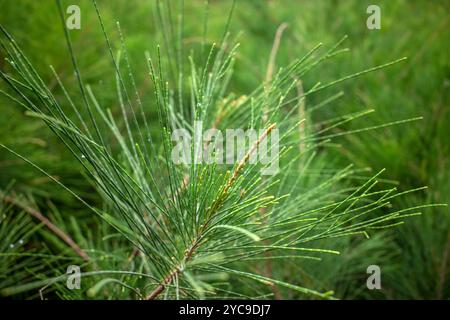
x=87 y=177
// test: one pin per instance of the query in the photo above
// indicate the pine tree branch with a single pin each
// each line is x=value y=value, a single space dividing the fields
x=214 y=208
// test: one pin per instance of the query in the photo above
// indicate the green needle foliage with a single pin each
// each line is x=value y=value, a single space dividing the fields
x=204 y=230
x=15 y=231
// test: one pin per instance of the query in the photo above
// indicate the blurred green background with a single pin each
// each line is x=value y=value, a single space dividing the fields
x=417 y=257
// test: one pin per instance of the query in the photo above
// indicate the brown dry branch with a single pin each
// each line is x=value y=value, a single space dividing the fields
x=443 y=269
x=274 y=51
x=271 y=63
x=38 y=215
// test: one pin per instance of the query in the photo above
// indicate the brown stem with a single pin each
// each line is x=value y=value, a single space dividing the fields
x=160 y=288
x=35 y=213
x=443 y=271
x=271 y=63
x=247 y=156
x=215 y=206
x=274 y=51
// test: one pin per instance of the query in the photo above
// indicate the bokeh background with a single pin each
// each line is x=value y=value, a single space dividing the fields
x=415 y=257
